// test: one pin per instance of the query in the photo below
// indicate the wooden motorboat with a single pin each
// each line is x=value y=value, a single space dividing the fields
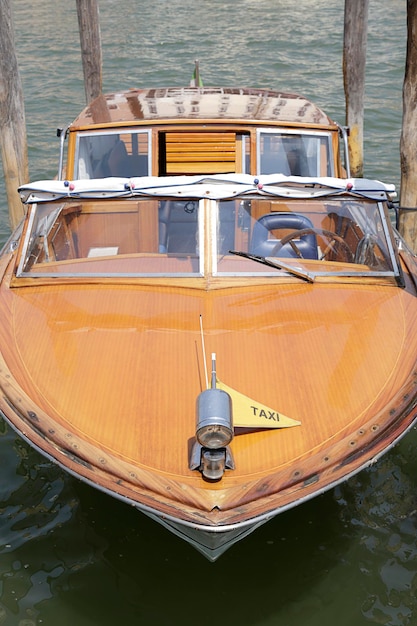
x=213 y=341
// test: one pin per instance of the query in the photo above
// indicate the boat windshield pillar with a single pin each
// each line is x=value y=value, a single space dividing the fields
x=62 y=133
x=344 y=131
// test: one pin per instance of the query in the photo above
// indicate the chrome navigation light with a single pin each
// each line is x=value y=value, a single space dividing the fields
x=214 y=419
x=214 y=431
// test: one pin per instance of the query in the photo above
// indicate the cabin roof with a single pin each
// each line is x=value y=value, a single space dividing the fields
x=201 y=103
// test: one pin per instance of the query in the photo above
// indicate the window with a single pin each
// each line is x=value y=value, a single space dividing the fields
x=294 y=154
x=338 y=236
x=145 y=237
x=253 y=236
x=125 y=154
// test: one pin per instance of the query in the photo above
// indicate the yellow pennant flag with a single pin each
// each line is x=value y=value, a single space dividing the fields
x=248 y=413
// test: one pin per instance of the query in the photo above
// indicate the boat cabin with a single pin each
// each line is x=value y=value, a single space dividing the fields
x=202 y=130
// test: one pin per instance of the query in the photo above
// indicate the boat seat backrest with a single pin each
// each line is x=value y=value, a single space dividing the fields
x=178 y=227
x=118 y=160
x=164 y=212
x=262 y=244
x=120 y=163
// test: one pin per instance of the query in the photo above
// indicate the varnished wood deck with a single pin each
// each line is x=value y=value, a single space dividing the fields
x=315 y=353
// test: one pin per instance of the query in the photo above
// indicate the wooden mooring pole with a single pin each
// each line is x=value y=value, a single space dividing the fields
x=12 y=117
x=408 y=144
x=90 y=38
x=354 y=62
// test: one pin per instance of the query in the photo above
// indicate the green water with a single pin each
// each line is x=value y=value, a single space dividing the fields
x=72 y=556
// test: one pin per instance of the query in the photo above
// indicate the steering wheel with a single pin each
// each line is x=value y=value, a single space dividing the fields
x=369 y=252
x=335 y=241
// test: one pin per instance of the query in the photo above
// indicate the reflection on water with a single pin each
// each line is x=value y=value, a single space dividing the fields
x=70 y=555
x=382 y=505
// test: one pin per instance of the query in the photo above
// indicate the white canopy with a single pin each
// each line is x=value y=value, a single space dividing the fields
x=220 y=186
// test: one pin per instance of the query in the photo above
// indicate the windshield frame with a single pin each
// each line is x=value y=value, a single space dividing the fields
x=308 y=268
x=47 y=200
x=41 y=219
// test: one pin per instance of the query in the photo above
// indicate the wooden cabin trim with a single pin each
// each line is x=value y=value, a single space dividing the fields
x=209 y=282
x=71 y=149
x=211 y=152
x=209 y=123
x=337 y=150
x=212 y=131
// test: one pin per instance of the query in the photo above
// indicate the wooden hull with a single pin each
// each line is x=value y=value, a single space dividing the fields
x=201 y=221
x=103 y=379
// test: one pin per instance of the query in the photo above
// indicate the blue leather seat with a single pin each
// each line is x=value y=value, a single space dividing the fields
x=263 y=245
x=164 y=212
x=178 y=226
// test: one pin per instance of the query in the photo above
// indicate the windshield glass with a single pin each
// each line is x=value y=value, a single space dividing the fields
x=119 y=237
x=326 y=236
x=249 y=236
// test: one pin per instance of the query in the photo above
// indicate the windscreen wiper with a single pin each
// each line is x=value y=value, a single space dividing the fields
x=278 y=263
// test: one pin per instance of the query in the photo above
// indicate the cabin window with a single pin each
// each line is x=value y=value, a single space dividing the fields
x=125 y=154
x=294 y=153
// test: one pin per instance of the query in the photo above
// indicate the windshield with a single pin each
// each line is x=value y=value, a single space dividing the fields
x=326 y=236
x=192 y=237
x=118 y=237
